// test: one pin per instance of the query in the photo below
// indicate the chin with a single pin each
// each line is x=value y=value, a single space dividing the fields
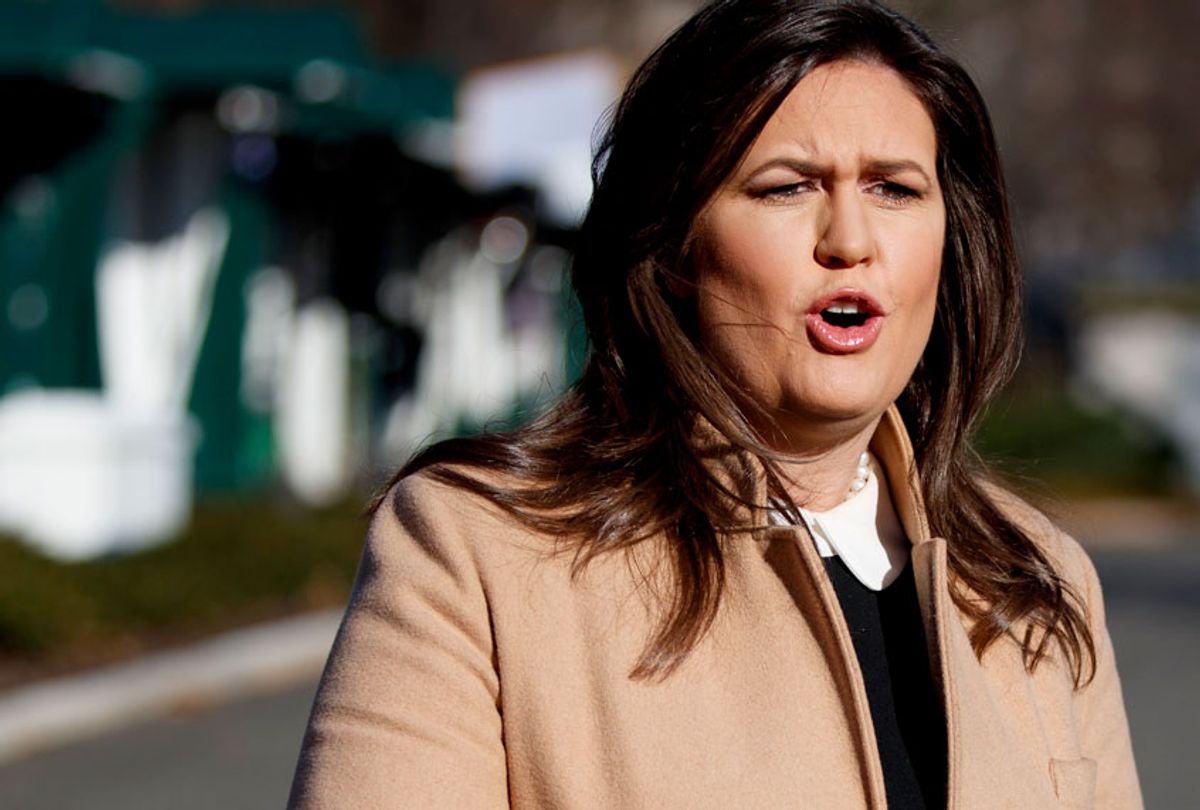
x=845 y=414
x=841 y=393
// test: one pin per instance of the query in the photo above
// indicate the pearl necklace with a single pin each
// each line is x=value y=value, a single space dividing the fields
x=862 y=474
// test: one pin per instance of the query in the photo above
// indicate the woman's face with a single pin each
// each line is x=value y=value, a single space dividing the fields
x=817 y=262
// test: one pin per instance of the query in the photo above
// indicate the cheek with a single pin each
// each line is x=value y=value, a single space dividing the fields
x=727 y=309
x=920 y=260
x=931 y=278
x=925 y=292
x=744 y=276
x=916 y=262
x=736 y=325
x=725 y=293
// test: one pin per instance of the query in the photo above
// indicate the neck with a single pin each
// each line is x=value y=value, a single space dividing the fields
x=818 y=476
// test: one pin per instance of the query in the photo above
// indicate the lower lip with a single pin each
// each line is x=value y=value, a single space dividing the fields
x=842 y=339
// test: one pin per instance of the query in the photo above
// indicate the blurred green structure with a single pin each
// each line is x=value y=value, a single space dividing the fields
x=124 y=54
x=87 y=85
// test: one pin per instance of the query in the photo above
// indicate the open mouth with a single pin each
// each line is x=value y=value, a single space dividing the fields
x=844 y=315
x=846 y=322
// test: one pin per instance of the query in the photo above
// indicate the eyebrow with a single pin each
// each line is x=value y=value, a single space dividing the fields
x=806 y=167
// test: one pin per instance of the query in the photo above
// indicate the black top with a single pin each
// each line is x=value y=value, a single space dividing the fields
x=906 y=709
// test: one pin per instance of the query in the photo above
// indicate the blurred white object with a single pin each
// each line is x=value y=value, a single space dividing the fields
x=313 y=410
x=477 y=361
x=532 y=123
x=464 y=372
x=1149 y=362
x=153 y=303
x=270 y=316
x=83 y=474
x=80 y=477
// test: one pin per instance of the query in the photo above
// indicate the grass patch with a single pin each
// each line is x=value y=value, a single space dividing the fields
x=1045 y=435
x=237 y=563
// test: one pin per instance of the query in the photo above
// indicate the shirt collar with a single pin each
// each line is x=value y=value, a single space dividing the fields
x=741 y=475
x=863 y=531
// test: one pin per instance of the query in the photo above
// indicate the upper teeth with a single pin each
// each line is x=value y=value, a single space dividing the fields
x=843 y=309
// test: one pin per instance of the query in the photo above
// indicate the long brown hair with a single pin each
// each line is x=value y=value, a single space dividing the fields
x=616 y=461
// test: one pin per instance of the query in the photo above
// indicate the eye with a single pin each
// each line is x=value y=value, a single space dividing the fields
x=894 y=192
x=785 y=191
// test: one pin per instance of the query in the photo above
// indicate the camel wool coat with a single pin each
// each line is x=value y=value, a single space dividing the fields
x=472 y=671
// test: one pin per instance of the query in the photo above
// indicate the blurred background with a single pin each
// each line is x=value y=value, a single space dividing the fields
x=253 y=255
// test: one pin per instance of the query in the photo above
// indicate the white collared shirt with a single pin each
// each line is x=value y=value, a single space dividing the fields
x=863 y=530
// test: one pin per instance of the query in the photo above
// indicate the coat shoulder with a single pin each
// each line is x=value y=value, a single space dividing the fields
x=443 y=514
x=430 y=493
x=1065 y=553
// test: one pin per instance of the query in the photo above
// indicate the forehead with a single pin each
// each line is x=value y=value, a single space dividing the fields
x=847 y=110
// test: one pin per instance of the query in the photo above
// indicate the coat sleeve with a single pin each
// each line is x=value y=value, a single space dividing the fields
x=1105 y=729
x=407 y=713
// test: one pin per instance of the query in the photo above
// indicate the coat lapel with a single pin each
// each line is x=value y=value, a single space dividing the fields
x=893 y=449
x=982 y=770
x=933 y=596
x=984 y=755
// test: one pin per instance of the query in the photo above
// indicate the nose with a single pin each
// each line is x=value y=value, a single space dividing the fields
x=844 y=239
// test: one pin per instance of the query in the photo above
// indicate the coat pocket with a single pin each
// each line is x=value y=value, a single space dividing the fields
x=1074 y=781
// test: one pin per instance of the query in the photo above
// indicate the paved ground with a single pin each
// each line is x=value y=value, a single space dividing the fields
x=241 y=755
x=230 y=758
x=1153 y=605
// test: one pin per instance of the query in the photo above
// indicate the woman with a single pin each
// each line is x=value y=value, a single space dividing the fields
x=749 y=560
